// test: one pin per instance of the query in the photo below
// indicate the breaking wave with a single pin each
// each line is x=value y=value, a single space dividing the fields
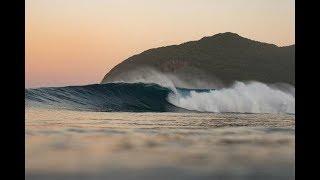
x=252 y=97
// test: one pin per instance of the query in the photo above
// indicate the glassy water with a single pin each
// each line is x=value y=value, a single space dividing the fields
x=78 y=145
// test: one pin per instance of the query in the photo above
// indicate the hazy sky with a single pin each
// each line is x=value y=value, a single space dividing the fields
x=75 y=42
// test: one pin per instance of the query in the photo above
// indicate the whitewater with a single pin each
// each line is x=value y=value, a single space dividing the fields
x=253 y=97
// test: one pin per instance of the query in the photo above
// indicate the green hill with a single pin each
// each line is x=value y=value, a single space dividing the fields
x=217 y=60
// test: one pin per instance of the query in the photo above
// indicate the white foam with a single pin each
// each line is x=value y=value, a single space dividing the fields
x=252 y=97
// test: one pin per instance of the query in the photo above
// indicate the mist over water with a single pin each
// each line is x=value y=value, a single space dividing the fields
x=147 y=74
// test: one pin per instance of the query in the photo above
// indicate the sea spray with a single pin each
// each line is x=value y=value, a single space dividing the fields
x=150 y=75
x=147 y=75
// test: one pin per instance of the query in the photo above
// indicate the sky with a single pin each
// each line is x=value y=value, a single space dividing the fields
x=76 y=42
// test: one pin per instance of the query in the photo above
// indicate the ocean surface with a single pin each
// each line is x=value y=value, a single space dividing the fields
x=146 y=131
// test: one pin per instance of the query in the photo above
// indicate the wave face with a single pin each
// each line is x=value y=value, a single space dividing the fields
x=136 y=97
x=242 y=97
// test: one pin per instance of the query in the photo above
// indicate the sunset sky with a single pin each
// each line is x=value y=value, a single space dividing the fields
x=76 y=42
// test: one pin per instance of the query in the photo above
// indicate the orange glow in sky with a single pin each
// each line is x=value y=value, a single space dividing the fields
x=76 y=42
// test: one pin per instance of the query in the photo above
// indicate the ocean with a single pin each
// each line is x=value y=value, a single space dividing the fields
x=146 y=131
